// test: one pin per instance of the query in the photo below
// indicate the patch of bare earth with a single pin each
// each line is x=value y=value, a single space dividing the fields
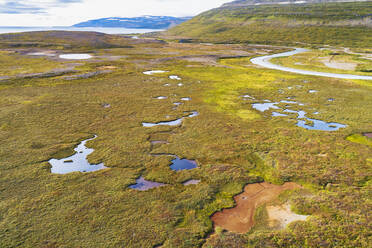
x=240 y=218
x=281 y=216
x=363 y=55
x=338 y=65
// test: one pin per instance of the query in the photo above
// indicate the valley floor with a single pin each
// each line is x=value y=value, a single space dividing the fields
x=181 y=132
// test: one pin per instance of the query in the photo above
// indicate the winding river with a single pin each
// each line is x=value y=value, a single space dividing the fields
x=264 y=61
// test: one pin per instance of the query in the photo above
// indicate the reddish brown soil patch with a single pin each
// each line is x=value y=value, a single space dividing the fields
x=369 y=135
x=240 y=218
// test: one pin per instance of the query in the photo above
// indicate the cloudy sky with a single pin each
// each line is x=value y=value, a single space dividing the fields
x=69 y=12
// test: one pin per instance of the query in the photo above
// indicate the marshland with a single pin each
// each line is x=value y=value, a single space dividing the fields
x=110 y=141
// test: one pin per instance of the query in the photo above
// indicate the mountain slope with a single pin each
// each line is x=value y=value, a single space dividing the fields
x=148 y=22
x=262 y=2
x=339 y=23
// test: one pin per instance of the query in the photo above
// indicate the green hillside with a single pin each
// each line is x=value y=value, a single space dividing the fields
x=344 y=24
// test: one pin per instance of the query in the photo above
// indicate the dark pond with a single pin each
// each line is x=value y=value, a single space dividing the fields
x=143 y=185
x=183 y=164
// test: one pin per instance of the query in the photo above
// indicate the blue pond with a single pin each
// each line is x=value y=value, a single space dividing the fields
x=276 y=114
x=143 y=185
x=76 y=162
x=320 y=125
x=265 y=106
x=183 y=164
x=303 y=120
x=317 y=124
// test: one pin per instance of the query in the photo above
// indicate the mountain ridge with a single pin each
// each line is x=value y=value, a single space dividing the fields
x=142 y=22
x=332 y=23
x=241 y=3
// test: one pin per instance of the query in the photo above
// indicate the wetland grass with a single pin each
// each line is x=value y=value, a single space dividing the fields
x=234 y=145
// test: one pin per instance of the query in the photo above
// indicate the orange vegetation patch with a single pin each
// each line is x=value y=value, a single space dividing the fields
x=240 y=218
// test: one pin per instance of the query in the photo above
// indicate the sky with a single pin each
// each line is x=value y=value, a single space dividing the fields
x=69 y=12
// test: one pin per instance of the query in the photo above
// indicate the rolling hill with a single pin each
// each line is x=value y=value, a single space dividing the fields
x=284 y=23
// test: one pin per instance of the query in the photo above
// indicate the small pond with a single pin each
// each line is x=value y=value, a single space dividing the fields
x=174 y=77
x=178 y=164
x=75 y=56
x=246 y=97
x=143 y=185
x=183 y=164
x=303 y=121
x=316 y=124
x=155 y=142
x=276 y=114
x=76 y=162
x=265 y=106
x=153 y=72
x=289 y=102
x=161 y=97
x=320 y=125
x=176 y=122
x=49 y=54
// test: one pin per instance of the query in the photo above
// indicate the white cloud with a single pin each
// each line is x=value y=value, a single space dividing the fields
x=69 y=12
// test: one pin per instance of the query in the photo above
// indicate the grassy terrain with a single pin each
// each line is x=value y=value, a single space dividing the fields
x=61 y=40
x=316 y=60
x=13 y=64
x=342 y=24
x=233 y=144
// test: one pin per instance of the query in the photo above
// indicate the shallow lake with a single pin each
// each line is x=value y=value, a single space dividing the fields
x=153 y=72
x=76 y=162
x=174 y=77
x=75 y=56
x=265 y=106
x=316 y=124
x=320 y=125
x=303 y=120
x=183 y=164
x=176 y=122
x=191 y=182
x=143 y=185
x=276 y=114
x=161 y=97
x=42 y=54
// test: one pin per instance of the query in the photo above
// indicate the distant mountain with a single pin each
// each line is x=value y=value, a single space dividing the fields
x=145 y=22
